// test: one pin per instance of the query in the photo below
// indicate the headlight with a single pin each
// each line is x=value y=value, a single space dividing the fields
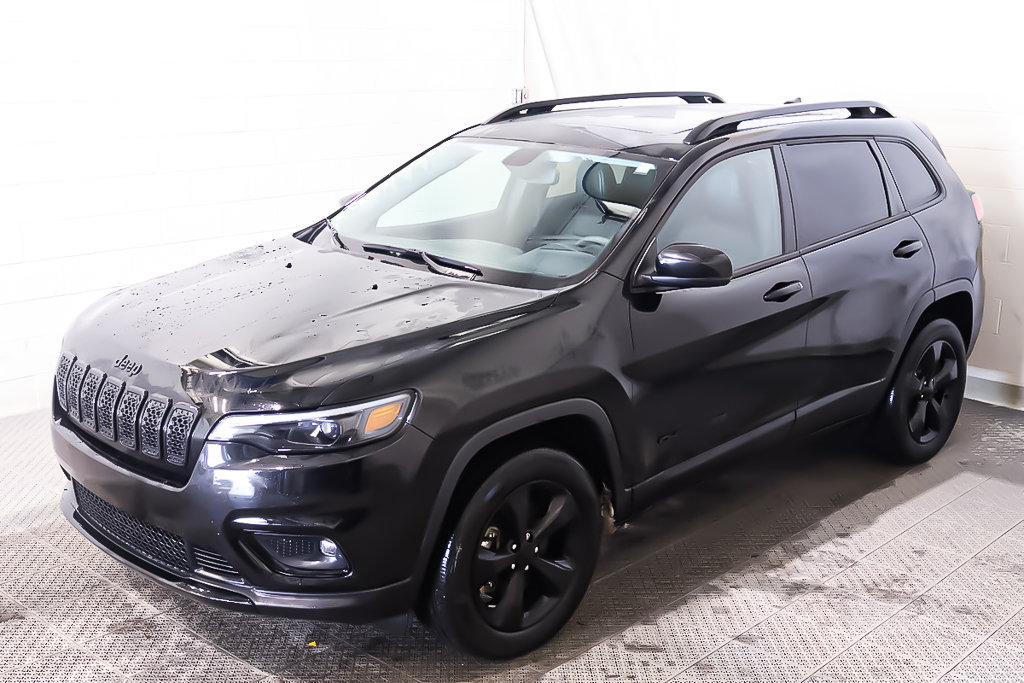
x=315 y=430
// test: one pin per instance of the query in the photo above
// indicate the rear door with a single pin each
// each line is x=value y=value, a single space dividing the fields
x=869 y=265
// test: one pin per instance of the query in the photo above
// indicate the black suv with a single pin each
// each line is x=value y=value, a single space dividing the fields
x=427 y=399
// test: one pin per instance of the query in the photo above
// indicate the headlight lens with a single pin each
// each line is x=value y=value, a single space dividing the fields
x=316 y=430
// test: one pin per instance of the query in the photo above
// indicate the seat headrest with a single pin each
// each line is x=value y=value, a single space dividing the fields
x=599 y=182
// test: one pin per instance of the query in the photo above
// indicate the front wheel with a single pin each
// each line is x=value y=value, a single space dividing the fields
x=520 y=558
x=927 y=391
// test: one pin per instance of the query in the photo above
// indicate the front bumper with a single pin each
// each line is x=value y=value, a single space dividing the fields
x=372 y=503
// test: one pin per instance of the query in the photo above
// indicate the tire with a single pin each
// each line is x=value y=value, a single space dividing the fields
x=520 y=558
x=927 y=391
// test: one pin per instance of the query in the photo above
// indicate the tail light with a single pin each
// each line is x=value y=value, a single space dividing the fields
x=979 y=209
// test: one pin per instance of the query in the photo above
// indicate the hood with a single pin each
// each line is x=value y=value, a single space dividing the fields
x=278 y=304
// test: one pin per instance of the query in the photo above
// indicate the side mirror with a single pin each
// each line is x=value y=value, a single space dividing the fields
x=689 y=265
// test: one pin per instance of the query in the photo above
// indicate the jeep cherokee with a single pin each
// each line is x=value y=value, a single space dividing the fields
x=425 y=399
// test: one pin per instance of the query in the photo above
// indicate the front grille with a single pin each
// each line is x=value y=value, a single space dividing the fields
x=63 y=369
x=127 y=415
x=177 y=431
x=74 y=387
x=87 y=397
x=213 y=562
x=106 y=407
x=148 y=423
x=141 y=538
x=151 y=424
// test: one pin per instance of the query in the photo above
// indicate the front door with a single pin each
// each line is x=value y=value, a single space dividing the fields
x=712 y=365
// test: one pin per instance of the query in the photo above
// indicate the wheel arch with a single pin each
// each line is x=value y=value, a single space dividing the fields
x=578 y=426
x=953 y=301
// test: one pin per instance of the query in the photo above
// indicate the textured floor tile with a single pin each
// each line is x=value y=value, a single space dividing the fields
x=991 y=662
x=1007 y=550
x=720 y=608
x=267 y=643
x=147 y=649
x=977 y=597
x=341 y=662
x=935 y=645
x=1011 y=632
x=897 y=571
x=740 y=663
x=872 y=663
x=51 y=591
x=1006 y=494
x=778 y=583
x=654 y=650
x=809 y=565
x=807 y=643
x=841 y=610
x=880 y=582
x=98 y=613
x=62 y=663
x=21 y=556
x=965 y=526
x=23 y=638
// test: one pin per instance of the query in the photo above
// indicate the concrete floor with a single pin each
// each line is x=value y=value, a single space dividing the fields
x=817 y=563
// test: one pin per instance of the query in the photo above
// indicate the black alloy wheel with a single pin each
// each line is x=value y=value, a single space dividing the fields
x=520 y=558
x=527 y=556
x=927 y=391
x=930 y=411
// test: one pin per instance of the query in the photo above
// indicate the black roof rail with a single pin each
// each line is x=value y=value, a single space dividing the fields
x=724 y=125
x=544 y=106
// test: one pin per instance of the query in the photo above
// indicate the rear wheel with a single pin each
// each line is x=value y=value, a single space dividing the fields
x=520 y=558
x=927 y=391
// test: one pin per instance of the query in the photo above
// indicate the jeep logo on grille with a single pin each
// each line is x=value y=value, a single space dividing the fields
x=128 y=365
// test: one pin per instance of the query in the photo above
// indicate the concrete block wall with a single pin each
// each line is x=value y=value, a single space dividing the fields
x=137 y=138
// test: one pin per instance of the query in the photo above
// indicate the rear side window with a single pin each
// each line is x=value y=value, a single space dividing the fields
x=913 y=179
x=836 y=187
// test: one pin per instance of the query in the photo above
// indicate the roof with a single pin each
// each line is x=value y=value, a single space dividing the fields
x=665 y=129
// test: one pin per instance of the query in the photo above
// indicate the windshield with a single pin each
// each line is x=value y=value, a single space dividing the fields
x=516 y=207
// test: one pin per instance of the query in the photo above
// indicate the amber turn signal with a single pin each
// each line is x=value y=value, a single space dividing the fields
x=382 y=417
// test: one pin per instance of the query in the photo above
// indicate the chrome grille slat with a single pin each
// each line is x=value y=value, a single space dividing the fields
x=177 y=433
x=63 y=369
x=213 y=562
x=75 y=377
x=151 y=423
x=87 y=397
x=106 y=407
x=127 y=417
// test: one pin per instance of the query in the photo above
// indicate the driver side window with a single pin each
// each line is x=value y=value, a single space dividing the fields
x=734 y=207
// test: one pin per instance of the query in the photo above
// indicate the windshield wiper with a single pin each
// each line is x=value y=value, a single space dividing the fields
x=437 y=264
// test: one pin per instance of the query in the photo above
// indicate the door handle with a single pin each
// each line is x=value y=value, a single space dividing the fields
x=783 y=290
x=907 y=248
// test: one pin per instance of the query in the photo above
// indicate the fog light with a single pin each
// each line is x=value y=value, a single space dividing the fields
x=302 y=552
x=328 y=548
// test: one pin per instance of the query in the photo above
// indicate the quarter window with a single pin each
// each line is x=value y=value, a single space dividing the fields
x=913 y=179
x=836 y=186
x=733 y=206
